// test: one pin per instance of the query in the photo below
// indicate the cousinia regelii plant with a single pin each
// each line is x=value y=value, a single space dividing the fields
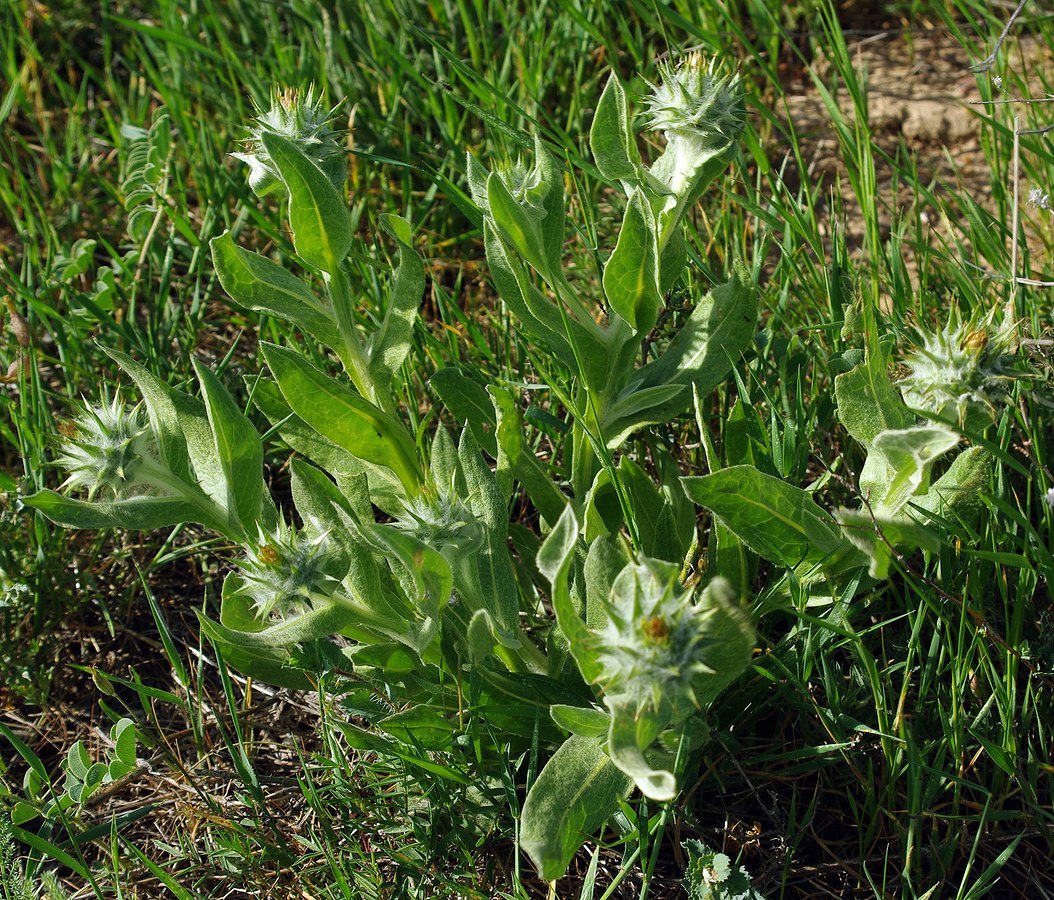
x=957 y=379
x=430 y=608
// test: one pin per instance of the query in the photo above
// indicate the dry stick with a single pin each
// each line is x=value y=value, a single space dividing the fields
x=985 y=64
x=1010 y=314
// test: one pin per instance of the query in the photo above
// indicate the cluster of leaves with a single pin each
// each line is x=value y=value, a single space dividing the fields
x=826 y=551
x=409 y=557
x=84 y=778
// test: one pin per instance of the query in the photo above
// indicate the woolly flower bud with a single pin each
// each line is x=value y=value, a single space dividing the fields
x=521 y=181
x=445 y=524
x=302 y=119
x=442 y=522
x=962 y=369
x=290 y=573
x=693 y=101
x=665 y=651
x=108 y=448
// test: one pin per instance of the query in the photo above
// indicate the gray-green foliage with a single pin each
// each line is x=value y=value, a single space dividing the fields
x=84 y=777
x=713 y=876
x=431 y=603
x=784 y=524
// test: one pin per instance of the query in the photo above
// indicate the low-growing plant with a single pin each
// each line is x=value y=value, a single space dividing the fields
x=956 y=382
x=84 y=778
x=584 y=632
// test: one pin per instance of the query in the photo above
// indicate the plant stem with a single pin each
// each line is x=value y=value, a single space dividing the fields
x=352 y=354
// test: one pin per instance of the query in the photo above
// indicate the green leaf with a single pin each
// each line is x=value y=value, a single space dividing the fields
x=640 y=406
x=554 y=562
x=123 y=736
x=961 y=488
x=727 y=557
x=239 y=451
x=374 y=601
x=719 y=329
x=389 y=346
x=318 y=215
x=77 y=761
x=185 y=436
x=868 y=404
x=23 y=812
x=133 y=514
x=430 y=581
x=585 y=721
x=604 y=561
x=393 y=659
x=567 y=339
x=258 y=658
x=48 y=850
x=483 y=635
x=631 y=732
x=175 y=418
x=385 y=489
x=631 y=275
x=360 y=739
x=421 y=727
x=80 y=260
x=255 y=282
x=517 y=222
x=876 y=537
x=517 y=459
x=602 y=512
x=547 y=193
x=574 y=795
x=776 y=520
x=342 y=416
x=611 y=138
x=497 y=580
x=445 y=466
x=537 y=315
x=467 y=399
x=648 y=505
x=477 y=175
x=905 y=458
x=321 y=505
x=730 y=645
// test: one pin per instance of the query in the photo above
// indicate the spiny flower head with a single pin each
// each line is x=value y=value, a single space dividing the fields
x=108 y=448
x=441 y=521
x=964 y=368
x=662 y=648
x=303 y=119
x=289 y=573
x=692 y=98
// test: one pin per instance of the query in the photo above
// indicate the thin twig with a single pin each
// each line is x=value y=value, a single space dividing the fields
x=1048 y=99
x=1042 y=130
x=985 y=64
x=1011 y=303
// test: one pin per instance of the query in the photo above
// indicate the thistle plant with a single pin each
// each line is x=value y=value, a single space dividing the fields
x=404 y=547
x=302 y=119
x=291 y=572
x=701 y=114
x=109 y=449
x=954 y=383
x=960 y=373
